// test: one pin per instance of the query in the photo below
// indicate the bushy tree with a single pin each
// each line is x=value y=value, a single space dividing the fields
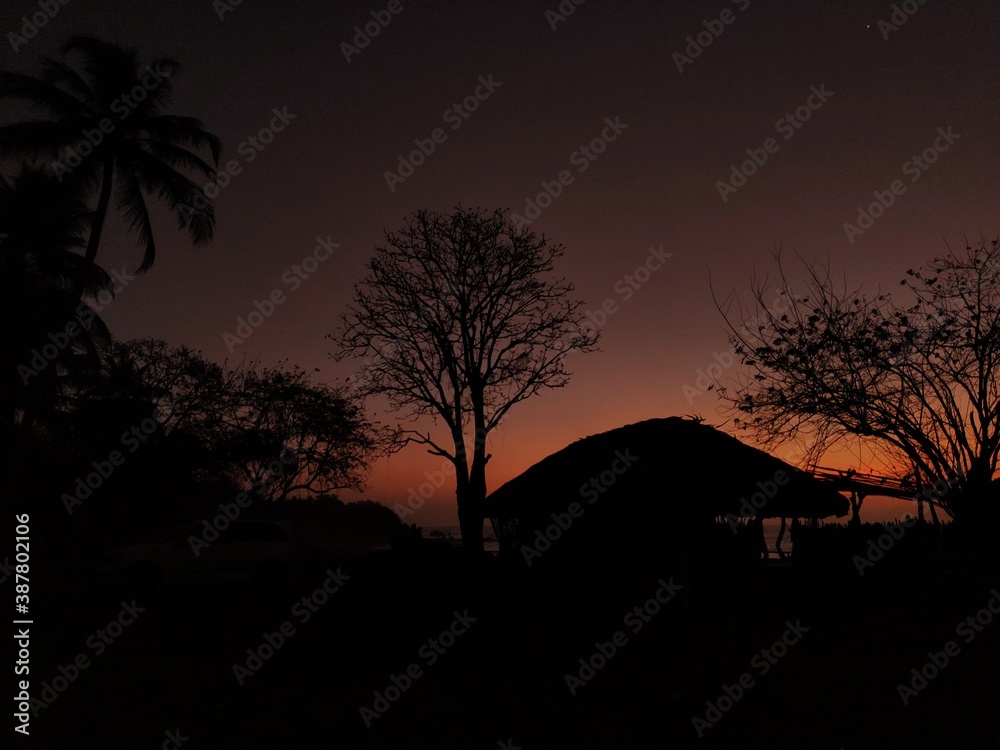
x=269 y=430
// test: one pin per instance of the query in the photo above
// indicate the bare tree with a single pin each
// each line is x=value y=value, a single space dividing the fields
x=459 y=318
x=916 y=381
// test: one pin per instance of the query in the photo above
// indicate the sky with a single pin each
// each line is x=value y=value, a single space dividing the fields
x=832 y=101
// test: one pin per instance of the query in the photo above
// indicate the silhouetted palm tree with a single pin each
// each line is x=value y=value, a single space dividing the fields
x=43 y=228
x=145 y=153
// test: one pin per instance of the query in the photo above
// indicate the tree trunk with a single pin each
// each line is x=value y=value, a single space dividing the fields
x=470 y=512
x=470 y=519
x=101 y=213
x=472 y=526
x=469 y=508
x=975 y=505
x=471 y=515
x=97 y=223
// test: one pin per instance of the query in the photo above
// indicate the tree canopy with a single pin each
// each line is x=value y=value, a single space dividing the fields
x=105 y=128
x=269 y=429
x=460 y=318
x=914 y=376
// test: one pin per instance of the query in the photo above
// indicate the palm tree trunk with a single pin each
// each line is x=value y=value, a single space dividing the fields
x=101 y=213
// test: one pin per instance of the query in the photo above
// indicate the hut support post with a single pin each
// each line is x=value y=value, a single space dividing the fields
x=781 y=536
x=857 y=500
x=934 y=515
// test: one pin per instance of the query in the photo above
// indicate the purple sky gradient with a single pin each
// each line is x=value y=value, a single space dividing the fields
x=323 y=175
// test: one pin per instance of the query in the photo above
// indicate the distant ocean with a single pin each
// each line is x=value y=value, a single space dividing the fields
x=771 y=528
x=455 y=533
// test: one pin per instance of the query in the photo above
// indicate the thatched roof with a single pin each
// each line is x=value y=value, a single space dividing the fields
x=680 y=470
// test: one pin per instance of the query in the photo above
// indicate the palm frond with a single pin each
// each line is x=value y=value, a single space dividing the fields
x=178 y=157
x=110 y=68
x=159 y=96
x=40 y=94
x=41 y=140
x=184 y=131
x=64 y=78
x=195 y=212
x=133 y=204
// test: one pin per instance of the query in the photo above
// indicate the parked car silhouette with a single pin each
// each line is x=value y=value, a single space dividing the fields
x=267 y=554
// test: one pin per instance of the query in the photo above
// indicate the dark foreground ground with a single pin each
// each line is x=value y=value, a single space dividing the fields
x=168 y=677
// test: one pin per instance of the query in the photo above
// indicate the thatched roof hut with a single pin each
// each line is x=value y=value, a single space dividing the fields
x=653 y=481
